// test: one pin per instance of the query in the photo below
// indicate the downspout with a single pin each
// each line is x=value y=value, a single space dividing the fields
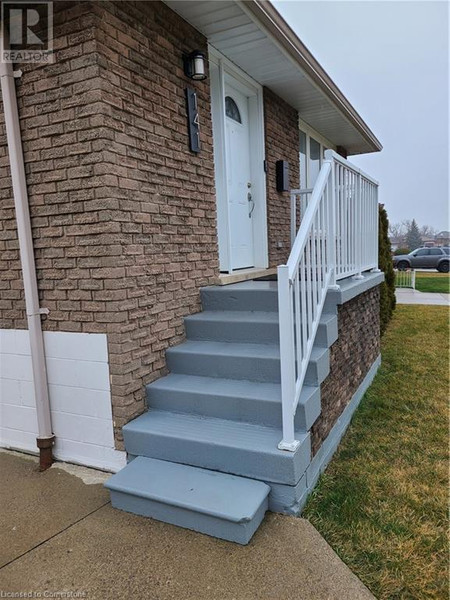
x=45 y=439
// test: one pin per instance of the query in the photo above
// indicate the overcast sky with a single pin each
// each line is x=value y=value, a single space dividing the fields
x=391 y=60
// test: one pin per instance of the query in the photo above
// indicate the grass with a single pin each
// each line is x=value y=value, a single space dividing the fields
x=433 y=282
x=382 y=503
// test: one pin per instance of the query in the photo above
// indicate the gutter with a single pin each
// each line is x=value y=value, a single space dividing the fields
x=45 y=439
x=267 y=15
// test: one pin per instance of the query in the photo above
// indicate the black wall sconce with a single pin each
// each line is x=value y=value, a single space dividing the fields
x=194 y=65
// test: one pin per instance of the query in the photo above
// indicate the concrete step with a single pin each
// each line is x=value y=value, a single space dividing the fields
x=327 y=332
x=252 y=362
x=237 y=400
x=217 y=444
x=233 y=326
x=217 y=504
x=250 y=326
x=248 y=295
x=318 y=366
x=255 y=362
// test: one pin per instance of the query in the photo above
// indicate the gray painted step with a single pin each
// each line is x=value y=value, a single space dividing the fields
x=238 y=400
x=253 y=362
x=217 y=444
x=250 y=326
x=233 y=326
x=248 y=295
x=318 y=366
x=217 y=504
x=327 y=332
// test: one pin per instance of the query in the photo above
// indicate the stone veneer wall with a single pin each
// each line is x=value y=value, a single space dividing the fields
x=351 y=357
x=282 y=143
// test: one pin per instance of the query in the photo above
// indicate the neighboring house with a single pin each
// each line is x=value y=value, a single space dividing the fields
x=156 y=243
x=397 y=242
x=443 y=238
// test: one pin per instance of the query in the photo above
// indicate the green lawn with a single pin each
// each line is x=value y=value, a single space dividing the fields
x=382 y=503
x=433 y=282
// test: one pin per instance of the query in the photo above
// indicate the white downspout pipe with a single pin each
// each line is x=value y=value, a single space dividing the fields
x=45 y=439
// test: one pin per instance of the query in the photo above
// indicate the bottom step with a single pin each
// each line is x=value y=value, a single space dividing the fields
x=218 y=504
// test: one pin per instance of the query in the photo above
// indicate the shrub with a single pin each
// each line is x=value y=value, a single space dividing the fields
x=387 y=288
x=402 y=251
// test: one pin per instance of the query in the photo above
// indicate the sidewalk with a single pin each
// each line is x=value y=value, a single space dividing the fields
x=60 y=534
x=409 y=296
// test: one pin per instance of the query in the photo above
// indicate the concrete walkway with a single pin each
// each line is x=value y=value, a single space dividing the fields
x=60 y=534
x=409 y=296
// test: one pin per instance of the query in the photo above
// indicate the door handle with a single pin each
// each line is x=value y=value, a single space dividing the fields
x=252 y=202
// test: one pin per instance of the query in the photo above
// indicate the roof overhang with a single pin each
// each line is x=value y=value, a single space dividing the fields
x=254 y=36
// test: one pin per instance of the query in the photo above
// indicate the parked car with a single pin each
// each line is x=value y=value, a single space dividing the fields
x=424 y=258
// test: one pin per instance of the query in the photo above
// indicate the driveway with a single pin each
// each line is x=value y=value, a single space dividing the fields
x=60 y=534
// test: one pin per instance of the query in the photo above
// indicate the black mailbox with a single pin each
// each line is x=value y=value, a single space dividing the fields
x=282 y=175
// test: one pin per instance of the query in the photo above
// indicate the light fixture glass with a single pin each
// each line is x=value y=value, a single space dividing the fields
x=194 y=65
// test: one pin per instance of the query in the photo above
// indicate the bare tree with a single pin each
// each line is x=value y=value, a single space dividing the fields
x=428 y=231
x=397 y=230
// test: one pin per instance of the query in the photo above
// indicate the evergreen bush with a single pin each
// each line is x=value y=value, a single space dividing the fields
x=387 y=288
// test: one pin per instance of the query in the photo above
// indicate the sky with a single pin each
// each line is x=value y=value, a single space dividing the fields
x=391 y=60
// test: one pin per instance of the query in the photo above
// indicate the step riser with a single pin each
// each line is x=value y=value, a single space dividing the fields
x=235 y=408
x=225 y=367
x=246 y=332
x=241 y=533
x=264 y=370
x=279 y=467
x=327 y=333
x=318 y=370
x=251 y=332
x=229 y=299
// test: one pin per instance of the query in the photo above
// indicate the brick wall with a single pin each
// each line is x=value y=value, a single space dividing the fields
x=123 y=214
x=282 y=143
x=165 y=194
x=351 y=356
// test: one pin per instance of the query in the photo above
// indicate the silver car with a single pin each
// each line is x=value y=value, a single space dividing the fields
x=424 y=258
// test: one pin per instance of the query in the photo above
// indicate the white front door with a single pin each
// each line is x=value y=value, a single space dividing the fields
x=239 y=177
x=239 y=162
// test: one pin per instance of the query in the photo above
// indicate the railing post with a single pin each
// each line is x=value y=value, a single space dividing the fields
x=293 y=217
x=358 y=233
x=331 y=246
x=287 y=359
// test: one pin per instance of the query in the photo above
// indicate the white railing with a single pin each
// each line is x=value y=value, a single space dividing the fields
x=405 y=279
x=335 y=235
x=299 y=202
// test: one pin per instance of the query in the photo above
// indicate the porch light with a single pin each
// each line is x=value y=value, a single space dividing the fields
x=194 y=65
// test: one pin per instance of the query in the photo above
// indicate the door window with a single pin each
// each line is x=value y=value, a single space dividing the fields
x=423 y=252
x=232 y=110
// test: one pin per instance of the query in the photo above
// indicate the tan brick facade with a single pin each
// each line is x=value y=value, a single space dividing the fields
x=282 y=143
x=123 y=214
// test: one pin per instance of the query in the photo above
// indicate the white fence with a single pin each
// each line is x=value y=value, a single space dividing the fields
x=405 y=278
x=334 y=228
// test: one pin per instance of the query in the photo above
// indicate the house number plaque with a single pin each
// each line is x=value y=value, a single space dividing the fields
x=193 y=120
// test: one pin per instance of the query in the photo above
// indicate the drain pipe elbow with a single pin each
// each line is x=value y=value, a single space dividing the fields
x=45 y=439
